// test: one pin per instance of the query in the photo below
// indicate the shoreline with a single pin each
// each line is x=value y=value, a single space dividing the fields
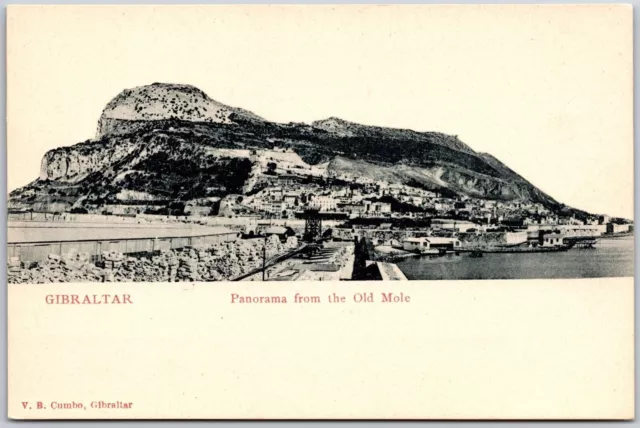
x=613 y=259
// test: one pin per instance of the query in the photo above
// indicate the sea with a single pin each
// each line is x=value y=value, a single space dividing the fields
x=609 y=258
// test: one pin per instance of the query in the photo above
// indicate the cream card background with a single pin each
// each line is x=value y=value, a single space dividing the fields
x=460 y=349
x=465 y=349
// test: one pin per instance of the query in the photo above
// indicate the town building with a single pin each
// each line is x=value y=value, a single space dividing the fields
x=377 y=207
x=323 y=203
x=459 y=225
x=430 y=243
x=618 y=228
x=551 y=240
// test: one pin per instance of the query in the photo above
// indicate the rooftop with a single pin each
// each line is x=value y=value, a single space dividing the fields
x=83 y=232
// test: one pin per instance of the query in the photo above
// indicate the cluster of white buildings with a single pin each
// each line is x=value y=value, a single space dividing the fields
x=282 y=185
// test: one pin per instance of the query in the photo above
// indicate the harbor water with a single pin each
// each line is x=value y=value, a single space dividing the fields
x=610 y=258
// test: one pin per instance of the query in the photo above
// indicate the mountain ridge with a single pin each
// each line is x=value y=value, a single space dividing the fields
x=198 y=132
x=160 y=101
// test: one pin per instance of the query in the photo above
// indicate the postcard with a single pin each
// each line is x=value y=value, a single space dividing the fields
x=320 y=212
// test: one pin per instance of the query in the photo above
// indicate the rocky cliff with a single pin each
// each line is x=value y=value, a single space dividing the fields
x=73 y=164
x=159 y=101
x=172 y=142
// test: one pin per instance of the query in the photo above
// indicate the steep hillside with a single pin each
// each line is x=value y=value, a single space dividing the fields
x=152 y=167
x=164 y=143
x=444 y=177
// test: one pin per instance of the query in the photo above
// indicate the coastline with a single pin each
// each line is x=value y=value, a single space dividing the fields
x=612 y=258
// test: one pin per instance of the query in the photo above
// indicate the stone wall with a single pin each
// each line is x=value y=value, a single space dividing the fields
x=491 y=239
x=215 y=262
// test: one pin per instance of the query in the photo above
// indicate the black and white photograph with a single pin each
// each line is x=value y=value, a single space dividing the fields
x=176 y=185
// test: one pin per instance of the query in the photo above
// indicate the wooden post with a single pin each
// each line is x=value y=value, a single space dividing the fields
x=264 y=259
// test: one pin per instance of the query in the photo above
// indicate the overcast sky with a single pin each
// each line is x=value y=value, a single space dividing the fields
x=545 y=89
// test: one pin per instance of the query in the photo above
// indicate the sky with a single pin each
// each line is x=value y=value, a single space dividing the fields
x=545 y=89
